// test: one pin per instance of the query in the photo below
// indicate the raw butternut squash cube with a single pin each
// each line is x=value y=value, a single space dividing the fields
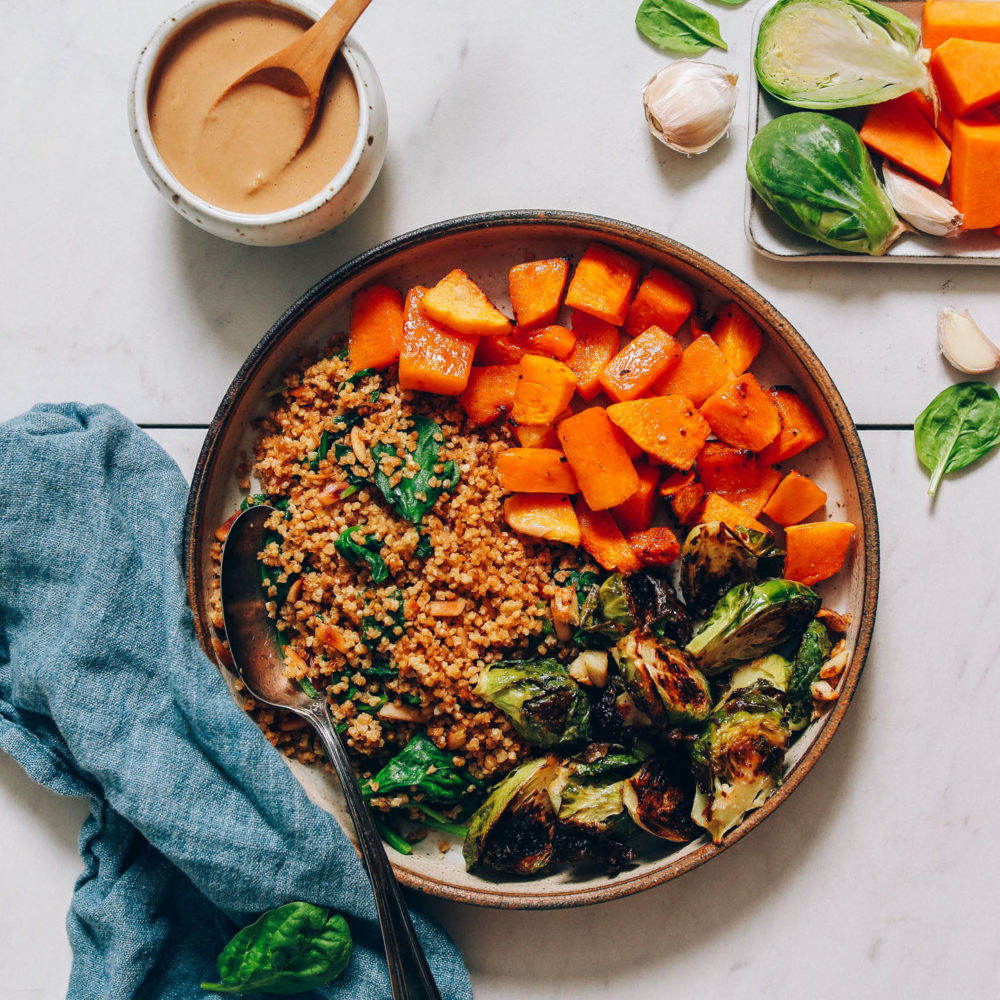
x=669 y=428
x=536 y=290
x=603 y=468
x=535 y=470
x=543 y=515
x=596 y=344
x=738 y=336
x=795 y=498
x=701 y=370
x=458 y=303
x=432 y=358
x=899 y=131
x=489 y=393
x=967 y=74
x=603 y=283
x=375 y=332
x=742 y=414
x=639 y=364
x=975 y=174
x=816 y=550
x=944 y=19
x=662 y=300
x=544 y=388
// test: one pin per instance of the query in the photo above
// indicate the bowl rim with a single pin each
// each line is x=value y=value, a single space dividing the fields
x=519 y=894
x=142 y=134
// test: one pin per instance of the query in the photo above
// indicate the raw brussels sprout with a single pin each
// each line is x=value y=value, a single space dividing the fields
x=737 y=761
x=513 y=830
x=544 y=704
x=839 y=53
x=717 y=556
x=664 y=684
x=814 y=171
x=659 y=799
x=813 y=651
x=751 y=620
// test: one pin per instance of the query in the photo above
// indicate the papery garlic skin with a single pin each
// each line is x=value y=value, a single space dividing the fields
x=690 y=104
x=922 y=208
x=965 y=346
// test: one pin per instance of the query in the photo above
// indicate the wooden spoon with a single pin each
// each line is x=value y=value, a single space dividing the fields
x=300 y=67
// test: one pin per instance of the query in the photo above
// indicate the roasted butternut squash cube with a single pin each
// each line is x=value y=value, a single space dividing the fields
x=544 y=388
x=543 y=515
x=459 y=304
x=602 y=466
x=738 y=336
x=432 y=358
x=742 y=414
x=800 y=427
x=701 y=370
x=816 y=550
x=662 y=300
x=596 y=344
x=375 y=332
x=794 y=499
x=536 y=290
x=669 y=428
x=639 y=364
x=601 y=537
x=603 y=283
x=489 y=393
x=535 y=470
x=718 y=508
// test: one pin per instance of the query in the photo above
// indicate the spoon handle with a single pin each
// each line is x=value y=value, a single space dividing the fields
x=409 y=973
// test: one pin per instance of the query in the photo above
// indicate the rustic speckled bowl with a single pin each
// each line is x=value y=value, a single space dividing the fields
x=486 y=246
x=322 y=211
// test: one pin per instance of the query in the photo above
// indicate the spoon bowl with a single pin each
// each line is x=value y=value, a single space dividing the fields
x=256 y=653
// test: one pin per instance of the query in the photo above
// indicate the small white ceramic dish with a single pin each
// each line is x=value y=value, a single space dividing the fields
x=318 y=214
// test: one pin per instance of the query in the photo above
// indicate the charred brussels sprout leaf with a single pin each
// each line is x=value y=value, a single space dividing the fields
x=594 y=807
x=513 y=830
x=813 y=651
x=716 y=557
x=544 y=704
x=639 y=600
x=751 y=620
x=664 y=684
x=421 y=768
x=290 y=949
x=659 y=796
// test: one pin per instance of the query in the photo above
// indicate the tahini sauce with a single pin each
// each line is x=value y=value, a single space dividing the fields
x=239 y=155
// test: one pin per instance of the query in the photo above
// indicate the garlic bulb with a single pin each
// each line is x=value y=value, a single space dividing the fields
x=922 y=208
x=690 y=104
x=965 y=346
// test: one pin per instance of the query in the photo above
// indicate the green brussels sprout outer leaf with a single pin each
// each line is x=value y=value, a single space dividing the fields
x=826 y=54
x=544 y=704
x=613 y=602
x=751 y=620
x=663 y=682
x=813 y=651
x=717 y=556
x=513 y=829
x=814 y=171
x=290 y=949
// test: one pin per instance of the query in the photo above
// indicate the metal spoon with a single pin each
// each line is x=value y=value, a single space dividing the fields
x=260 y=665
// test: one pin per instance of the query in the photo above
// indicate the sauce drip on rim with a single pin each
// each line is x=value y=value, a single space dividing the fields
x=239 y=154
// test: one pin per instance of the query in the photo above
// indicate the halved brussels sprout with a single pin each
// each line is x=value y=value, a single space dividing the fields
x=544 y=704
x=594 y=807
x=513 y=830
x=813 y=651
x=638 y=600
x=751 y=620
x=663 y=682
x=659 y=798
x=717 y=556
x=766 y=677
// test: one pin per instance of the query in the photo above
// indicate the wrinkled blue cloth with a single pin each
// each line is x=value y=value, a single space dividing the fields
x=196 y=824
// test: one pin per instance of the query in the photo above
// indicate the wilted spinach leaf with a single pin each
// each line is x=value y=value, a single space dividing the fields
x=322 y=449
x=413 y=496
x=290 y=949
x=374 y=631
x=678 y=26
x=363 y=551
x=959 y=426
x=422 y=768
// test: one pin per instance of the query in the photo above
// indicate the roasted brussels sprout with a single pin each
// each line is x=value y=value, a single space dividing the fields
x=813 y=651
x=513 y=830
x=659 y=798
x=716 y=557
x=737 y=760
x=638 y=600
x=544 y=704
x=751 y=620
x=664 y=684
x=594 y=807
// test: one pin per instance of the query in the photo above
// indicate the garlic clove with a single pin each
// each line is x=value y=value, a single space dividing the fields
x=965 y=346
x=689 y=105
x=922 y=208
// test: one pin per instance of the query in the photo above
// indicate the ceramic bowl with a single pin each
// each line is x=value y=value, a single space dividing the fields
x=318 y=214
x=487 y=246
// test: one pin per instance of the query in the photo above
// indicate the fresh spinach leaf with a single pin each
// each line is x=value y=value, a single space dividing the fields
x=363 y=551
x=290 y=949
x=420 y=767
x=413 y=496
x=322 y=450
x=959 y=426
x=678 y=26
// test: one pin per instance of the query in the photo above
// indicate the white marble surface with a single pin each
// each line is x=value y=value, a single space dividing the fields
x=876 y=878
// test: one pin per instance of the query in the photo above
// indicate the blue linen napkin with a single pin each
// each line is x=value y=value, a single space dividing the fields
x=196 y=823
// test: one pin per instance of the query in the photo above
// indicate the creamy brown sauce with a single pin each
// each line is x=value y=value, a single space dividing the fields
x=239 y=154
